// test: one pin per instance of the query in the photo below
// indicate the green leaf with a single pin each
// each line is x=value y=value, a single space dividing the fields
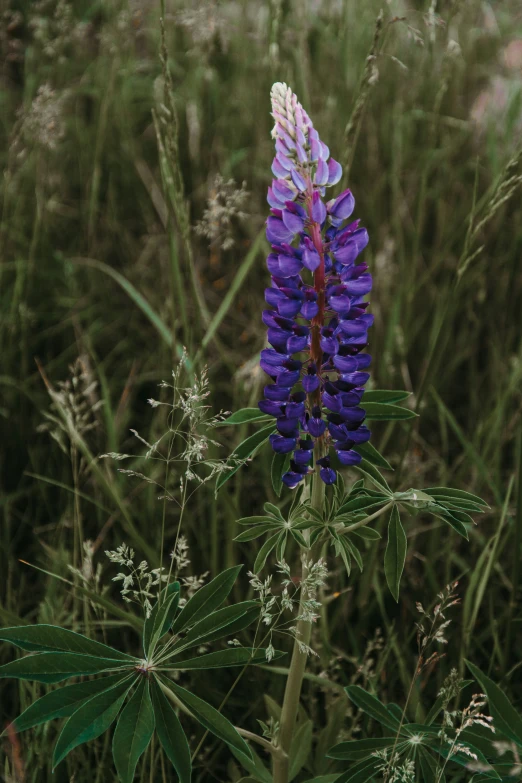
x=244 y=415
x=210 y=718
x=254 y=765
x=371 y=472
x=52 y=638
x=505 y=718
x=161 y=617
x=173 y=588
x=368 y=533
x=455 y=493
x=263 y=553
x=359 y=749
x=360 y=773
x=171 y=734
x=258 y=520
x=55 y=666
x=133 y=732
x=300 y=748
x=370 y=453
x=377 y=411
x=63 y=702
x=255 y=532
x=218 y=624
x=384 y=395
x=362 y=503
x=242 y=452
x=324 y=779
x=395 y=555
x=206 y=599
x=91 y=719
x=280 y=465
x=372 y=706
x=429 y=767
x=350 y=546
x=452 y=521
x=235 y=656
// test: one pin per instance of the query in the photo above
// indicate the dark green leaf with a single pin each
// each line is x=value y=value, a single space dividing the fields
x=244 y=415
x=505 y=718
x=218 y=624
x=263 y=553
x=367 y=533
x=369 y=452
x=350 y=546
x=52 y=638
x=256 y=768
x=255 y=532
x=430 y=768
x=359 y=749
x=360 y=773
x=395 y=555
x=64 y=701
x=377 y=411
x=362 y=504
x=91 y=719
x=210 y=718
x=271 y=509
x=296 y=535
x=133 y=732
x=280 y=465
x=258 y=520
x=235 y=656
x=173 y=588
x=242 y=452
x=455 y=493
x=300 y=748
x=372 y=706
x=206 y=599
x=161 y=617
x=55 y=666
x=171 y=734
x=371 y=472
x=384 y=395
x=452 y=521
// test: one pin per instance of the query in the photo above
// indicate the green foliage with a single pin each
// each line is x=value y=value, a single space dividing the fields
x=137 y=692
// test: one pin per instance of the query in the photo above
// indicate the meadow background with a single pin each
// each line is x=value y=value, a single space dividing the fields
x=115 y=254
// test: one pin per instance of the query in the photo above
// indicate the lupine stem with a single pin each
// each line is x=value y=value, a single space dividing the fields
x=297 y=668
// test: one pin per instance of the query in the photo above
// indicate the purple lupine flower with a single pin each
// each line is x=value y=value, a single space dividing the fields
x=318 y=326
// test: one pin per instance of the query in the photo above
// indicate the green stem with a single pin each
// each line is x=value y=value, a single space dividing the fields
x=296 y=671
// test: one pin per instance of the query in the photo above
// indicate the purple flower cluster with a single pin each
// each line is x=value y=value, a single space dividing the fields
x=318 y=327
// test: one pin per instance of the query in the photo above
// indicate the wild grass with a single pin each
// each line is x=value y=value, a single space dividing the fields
x=113 y=150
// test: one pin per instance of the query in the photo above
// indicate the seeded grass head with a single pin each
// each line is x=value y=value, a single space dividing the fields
x=318 y=325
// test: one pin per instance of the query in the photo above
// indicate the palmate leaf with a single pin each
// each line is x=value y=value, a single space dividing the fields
x=210 y=718
x=63 y=702
x=171 y=734
x=371 y=472
x=160 y=618
x=235 y=656
x=263 y=553
x=53 y=667
x=91 y=719
x=133 y=731
x=218 y=624
x=372 y=707
x=395 y=555
x=361 y=772
x=206 y=599
x=52 y=638
x=381 y=411
x=356 y=750
x=370 y=453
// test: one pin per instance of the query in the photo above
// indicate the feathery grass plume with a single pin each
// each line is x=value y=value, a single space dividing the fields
x=322 y=319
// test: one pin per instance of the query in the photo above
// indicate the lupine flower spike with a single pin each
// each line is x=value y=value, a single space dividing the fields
x=318 y=325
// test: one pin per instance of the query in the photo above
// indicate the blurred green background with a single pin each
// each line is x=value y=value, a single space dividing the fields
x=106 y=260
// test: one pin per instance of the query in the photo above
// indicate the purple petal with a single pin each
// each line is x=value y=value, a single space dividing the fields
x=285 y=162
x=318 y=209
x=345 y=364
x=325 y=152
x=293 y=222
x=276 y=231
x=276 y=393
x=278 y=169
x=282 y=445
x=328 y=475
x=282 y=191
x=298 y=180
x=321 y=174
x=289 y=265
x=335 y=172
x=343 y=205
x=348 y=457
x=361 y=286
